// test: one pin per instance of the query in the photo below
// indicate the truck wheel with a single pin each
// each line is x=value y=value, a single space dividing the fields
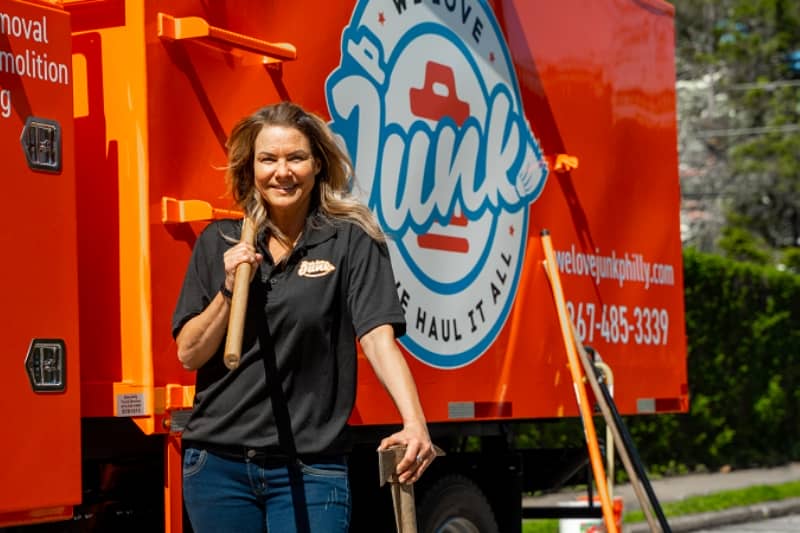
x=454 y=504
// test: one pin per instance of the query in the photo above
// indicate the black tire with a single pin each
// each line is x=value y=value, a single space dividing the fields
x=454 y=504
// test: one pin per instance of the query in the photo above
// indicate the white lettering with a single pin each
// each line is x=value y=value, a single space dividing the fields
x=5 y=103
x=394 y=215
x=502 y=148
x=419 y=209
x=628 y=268
x=35 y=30
x=451 y=169
x=404 y=165
x=355 y=94
x=32 y=65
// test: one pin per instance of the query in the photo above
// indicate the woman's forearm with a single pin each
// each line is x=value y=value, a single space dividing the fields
x=202 y=335
x=391 y=369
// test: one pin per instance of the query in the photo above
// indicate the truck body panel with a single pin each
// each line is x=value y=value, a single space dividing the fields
x=473 y=126
x=40 y=396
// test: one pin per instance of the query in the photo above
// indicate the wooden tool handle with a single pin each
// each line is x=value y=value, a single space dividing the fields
x=241 y=288
x=405 y=514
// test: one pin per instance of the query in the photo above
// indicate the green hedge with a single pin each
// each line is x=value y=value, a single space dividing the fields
x=743 y=329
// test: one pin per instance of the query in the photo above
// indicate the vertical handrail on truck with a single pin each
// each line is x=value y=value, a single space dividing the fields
x=576 y=371
x=628 y=446
x=605 y=402
x=608 y=376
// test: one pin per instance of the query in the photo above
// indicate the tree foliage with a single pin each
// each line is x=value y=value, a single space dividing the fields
x=740 y=147
x=740 y=244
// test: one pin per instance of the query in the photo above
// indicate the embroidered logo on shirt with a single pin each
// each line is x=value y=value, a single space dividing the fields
x=315 y=269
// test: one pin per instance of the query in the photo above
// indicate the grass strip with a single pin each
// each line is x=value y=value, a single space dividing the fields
x=694 y=504
x=723 y=500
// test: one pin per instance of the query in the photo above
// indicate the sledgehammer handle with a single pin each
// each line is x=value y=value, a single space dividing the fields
x=405 y=514
x=241 y=288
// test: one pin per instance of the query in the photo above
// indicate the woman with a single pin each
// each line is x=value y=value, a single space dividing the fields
x=266 y=443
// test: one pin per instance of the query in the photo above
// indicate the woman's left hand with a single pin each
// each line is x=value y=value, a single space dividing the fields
x=420 y=452
x=386 y=359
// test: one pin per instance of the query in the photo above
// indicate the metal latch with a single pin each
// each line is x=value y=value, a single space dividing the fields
x=41 y=142
x=46 y=364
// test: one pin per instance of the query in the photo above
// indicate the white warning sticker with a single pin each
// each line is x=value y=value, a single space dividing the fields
x=130 y=405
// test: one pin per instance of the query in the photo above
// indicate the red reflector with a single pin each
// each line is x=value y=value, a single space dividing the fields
x=36 y=516
x=668 y=404
x=492 y=409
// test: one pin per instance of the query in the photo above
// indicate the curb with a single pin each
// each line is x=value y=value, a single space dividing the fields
x=736 y=515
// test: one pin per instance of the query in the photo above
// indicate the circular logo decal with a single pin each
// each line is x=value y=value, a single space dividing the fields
x=427 y=103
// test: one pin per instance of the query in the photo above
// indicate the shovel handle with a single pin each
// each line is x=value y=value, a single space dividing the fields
x=241 y=287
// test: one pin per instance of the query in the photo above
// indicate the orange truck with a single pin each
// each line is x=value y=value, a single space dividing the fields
x=473 y=126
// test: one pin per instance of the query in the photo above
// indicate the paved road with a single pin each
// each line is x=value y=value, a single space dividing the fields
x=784 y=524
x=680 y=487
x=737 y=515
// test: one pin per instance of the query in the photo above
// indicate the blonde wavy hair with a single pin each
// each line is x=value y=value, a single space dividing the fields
x=331 y=193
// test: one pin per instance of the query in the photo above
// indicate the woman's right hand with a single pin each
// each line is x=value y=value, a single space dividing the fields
x=234 y=256
x=202 y=335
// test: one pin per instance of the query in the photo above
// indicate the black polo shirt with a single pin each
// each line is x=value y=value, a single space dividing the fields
x=295 y=385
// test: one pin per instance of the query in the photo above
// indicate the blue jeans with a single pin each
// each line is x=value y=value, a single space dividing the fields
x=241 y=496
